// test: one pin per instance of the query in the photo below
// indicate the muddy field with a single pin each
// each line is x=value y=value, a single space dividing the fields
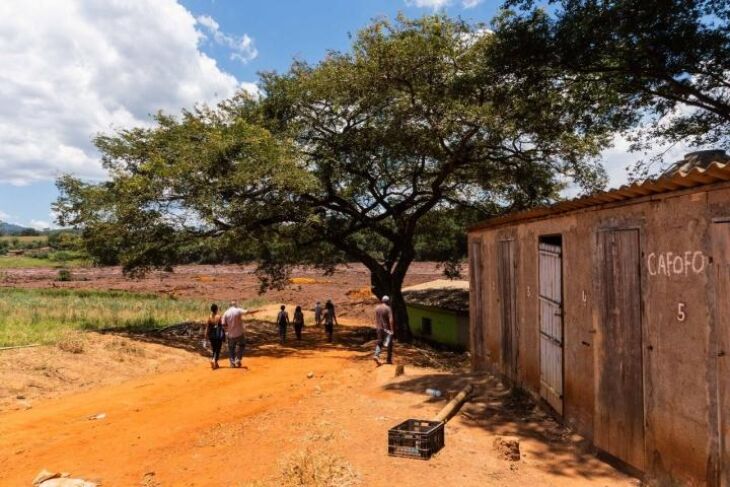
x=348 y=287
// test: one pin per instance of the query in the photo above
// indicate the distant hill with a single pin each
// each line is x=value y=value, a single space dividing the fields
x=13 y=229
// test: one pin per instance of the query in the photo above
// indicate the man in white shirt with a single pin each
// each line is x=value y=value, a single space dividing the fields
x=235 y=333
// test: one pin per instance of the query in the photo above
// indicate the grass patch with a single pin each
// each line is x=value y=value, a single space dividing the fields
x=26 y=262
x=314 y=468
x=47 y=315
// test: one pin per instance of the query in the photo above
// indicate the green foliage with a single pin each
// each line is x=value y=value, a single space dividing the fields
x=660 y=65
x=64 y=275
x=367 y=155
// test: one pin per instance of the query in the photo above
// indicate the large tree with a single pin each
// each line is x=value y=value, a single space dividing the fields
x=364 y=156
x=665 y=65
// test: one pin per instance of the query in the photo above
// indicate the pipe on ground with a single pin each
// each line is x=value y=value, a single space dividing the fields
x=454 y=405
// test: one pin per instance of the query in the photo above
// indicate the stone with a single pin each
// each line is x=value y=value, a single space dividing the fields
x=400 y=369
x=508 y=448
x=44 y=475
x=310 y=375
x=67 y=482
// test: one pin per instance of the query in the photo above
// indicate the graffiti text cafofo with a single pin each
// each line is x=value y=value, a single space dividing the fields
x=676 y=264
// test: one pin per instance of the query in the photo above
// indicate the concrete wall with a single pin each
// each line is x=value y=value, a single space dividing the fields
x=678 y=322
x=447 y=327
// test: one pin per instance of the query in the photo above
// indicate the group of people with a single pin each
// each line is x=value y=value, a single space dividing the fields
x=230 y=327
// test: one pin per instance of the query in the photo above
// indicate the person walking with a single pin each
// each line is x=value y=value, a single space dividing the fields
x=282 y=319
x=385 y=330
x=214 y=334
x=330 y=320
x=235 y=332
x=298 y=322
x=318 y=314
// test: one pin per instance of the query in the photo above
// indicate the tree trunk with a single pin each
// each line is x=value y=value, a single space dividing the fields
x=385 y=284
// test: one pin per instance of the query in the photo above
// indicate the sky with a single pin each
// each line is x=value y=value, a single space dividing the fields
x=72 y=69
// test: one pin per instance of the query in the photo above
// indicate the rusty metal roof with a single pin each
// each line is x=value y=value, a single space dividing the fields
x=694 y=177
x=443 y=294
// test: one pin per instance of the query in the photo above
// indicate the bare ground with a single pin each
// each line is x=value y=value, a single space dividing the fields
x=170 y=420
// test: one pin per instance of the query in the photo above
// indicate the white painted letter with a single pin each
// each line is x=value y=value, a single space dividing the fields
x=698 y=262
x=687 y=261
x=649 y=264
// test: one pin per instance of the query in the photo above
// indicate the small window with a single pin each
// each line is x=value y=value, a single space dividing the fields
x=426 y=326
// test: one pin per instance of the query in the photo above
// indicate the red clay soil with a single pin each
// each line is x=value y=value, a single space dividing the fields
x=230 y=427
x=222 y=283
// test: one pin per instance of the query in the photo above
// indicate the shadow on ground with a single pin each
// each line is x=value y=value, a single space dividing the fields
x=502 y=411
x=493 y=407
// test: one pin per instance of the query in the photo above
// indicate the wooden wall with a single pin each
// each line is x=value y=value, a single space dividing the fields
x=678 y=344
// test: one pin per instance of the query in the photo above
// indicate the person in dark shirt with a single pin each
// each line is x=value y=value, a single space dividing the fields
x=283 y=321
x=298 y=322
x=385 y=329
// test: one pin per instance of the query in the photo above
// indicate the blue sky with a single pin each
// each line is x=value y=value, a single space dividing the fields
x=76 y=68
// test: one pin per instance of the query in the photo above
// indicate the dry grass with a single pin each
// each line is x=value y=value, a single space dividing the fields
x=72 y=341
x=308 y=280
x=362 y=294
x=313 y=468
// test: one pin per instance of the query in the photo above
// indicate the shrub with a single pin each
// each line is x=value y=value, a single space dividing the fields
x=64 y=275
x=72 y=341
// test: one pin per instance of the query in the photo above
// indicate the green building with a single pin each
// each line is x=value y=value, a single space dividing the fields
x=438 y=312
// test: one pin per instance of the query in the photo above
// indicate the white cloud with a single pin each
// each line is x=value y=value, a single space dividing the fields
x=471 y=3
x=434 y=4
x=617 y=160
x=72 y=69
x=40 y=224
x=439 y=4
x=242 y=47
x=4 y=216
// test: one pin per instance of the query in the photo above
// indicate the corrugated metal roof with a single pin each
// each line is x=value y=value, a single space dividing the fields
x=441 y=293
x=714 y=172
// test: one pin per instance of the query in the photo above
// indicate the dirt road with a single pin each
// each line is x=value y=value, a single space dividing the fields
x=230 y=427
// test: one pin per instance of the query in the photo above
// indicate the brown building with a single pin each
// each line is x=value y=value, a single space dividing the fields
x=615 y=310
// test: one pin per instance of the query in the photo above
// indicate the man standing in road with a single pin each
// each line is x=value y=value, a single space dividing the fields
x=318 y=314
x=384 y=327
x=233 y=323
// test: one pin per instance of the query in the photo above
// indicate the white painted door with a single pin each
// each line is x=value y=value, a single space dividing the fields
x=551 y=324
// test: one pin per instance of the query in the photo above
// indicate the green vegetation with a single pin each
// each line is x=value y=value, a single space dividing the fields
x=24 y=238
x=358 y=157
x=663 y=65
x=54 y=249
x=45 y=315
x=24 y=262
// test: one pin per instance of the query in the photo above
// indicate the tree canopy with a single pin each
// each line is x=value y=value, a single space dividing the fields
x=373 y=155
x=665 y=65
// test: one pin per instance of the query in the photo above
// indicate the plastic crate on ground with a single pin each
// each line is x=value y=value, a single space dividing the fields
x=415 y=438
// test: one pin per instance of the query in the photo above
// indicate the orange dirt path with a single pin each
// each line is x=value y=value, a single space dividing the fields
x=155 y=424
x=234 y=427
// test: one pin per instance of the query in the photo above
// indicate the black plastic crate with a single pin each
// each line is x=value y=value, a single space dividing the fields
x=415 y=438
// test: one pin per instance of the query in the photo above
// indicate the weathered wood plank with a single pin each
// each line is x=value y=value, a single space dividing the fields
x=619 y=419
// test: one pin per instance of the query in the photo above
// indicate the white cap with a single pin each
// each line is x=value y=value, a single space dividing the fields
x=385 y=299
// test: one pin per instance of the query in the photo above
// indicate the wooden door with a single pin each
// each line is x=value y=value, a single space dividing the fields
x=477 y=287
x=506 y=267
x=619 y=418
x=551 y=324
x=721 y=264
